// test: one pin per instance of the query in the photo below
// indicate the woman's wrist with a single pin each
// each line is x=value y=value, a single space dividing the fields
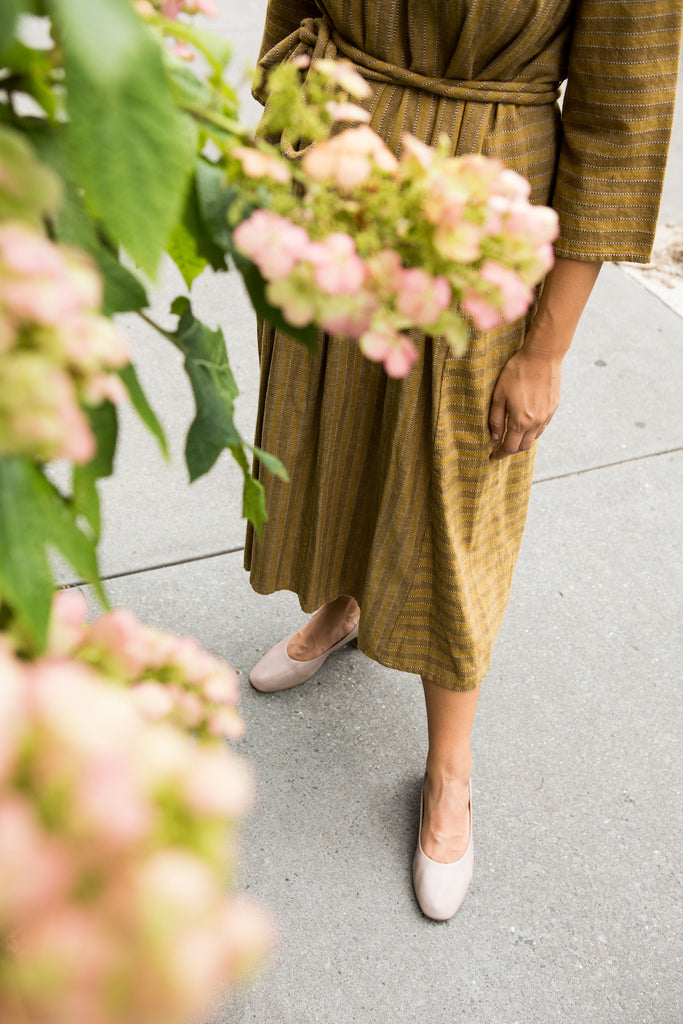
x=565 y=293
x=546 y=342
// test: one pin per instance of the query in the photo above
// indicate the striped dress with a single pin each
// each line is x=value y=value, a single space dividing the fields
x=393 y=498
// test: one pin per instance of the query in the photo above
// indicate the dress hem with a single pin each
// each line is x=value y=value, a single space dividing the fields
x=398 y=664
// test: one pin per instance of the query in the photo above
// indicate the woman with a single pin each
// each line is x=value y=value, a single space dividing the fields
x=406 y=507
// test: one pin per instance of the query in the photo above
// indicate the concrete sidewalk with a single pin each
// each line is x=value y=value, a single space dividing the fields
x=571 y=917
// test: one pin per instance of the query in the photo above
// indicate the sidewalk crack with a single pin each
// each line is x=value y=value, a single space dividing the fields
x=606 y=465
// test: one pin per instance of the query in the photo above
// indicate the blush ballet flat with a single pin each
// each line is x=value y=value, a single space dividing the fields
x=440 y=888
x=277 y=671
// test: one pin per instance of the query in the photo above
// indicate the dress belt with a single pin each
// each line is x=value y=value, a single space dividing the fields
x=317 y=38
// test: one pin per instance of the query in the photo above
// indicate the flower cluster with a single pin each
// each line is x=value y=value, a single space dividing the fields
x=58 y=352
x=172 y=8
x=150 y=10
x=116 y=833
x=373 y=247
x=171 y=678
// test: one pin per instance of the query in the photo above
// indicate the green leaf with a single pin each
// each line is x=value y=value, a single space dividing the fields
x=123 y=293
x=215 y=391
x=256 y=288
x=28 y=189
x=253 y=494
x=271 y=462
x=214 y=388
x=72 y=223
x=104 y=37
x=34 y=74
x=214 y=200
x=9 y=12
x=254 y=503
x=191 y=247
x=129 y=148
x=85 y=499
x=35 y=517
x=142 y=406
x=187 y=90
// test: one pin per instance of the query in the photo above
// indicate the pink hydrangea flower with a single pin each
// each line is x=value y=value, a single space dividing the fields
x=511 y=184
x=38 y=866
x=273 y=243
x=25 y=252
x=537 y=224
x=67 y=621
x=91 y=343
x=412 y=148
x=484 y=313
x=152 y=699
x=347 y=159
x=42 y=282
x=383 y=344
x=347 y=112
x=343 y=73
x=108 y=804
x=120 y=641
x=226 y=722
x=221 y=684
x=348 y=315
x=103 y=386
x=337 y=267
x=296 y=296
x=461 y=244
x=421 y=298
x=83 y=279
x=183 y=51
x=218 y=784
x=257 y=164
x=188 y=707
x=39 y=411
x=445 y=201
x=78 y=947
x=516 y=295
x=248 y=930
x=385 y=271
x=38 y=300
x=173 y=882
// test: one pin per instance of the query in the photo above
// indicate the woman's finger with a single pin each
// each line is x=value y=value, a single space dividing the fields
x=514 y=442
x=497 y=414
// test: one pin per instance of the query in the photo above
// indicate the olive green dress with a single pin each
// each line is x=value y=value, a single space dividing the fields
x=393 y=498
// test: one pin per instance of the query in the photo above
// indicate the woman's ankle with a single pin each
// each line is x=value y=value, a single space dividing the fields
x=454 y=771
x=324 y=629
x=342 y=607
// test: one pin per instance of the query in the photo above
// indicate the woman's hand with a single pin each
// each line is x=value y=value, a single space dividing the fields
x=525 y=398
x=527 y=391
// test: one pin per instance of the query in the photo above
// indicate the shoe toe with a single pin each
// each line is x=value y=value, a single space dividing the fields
x=440 y=888
x=273 y=671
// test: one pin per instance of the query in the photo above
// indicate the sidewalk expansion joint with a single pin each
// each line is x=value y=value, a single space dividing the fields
x=152 y=568
x=606 y=465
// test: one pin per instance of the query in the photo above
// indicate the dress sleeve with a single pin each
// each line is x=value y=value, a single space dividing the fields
x=616 y=120
x=282 y=18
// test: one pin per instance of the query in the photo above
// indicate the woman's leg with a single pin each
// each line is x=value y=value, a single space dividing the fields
x=445 y=825
x=324 y=629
